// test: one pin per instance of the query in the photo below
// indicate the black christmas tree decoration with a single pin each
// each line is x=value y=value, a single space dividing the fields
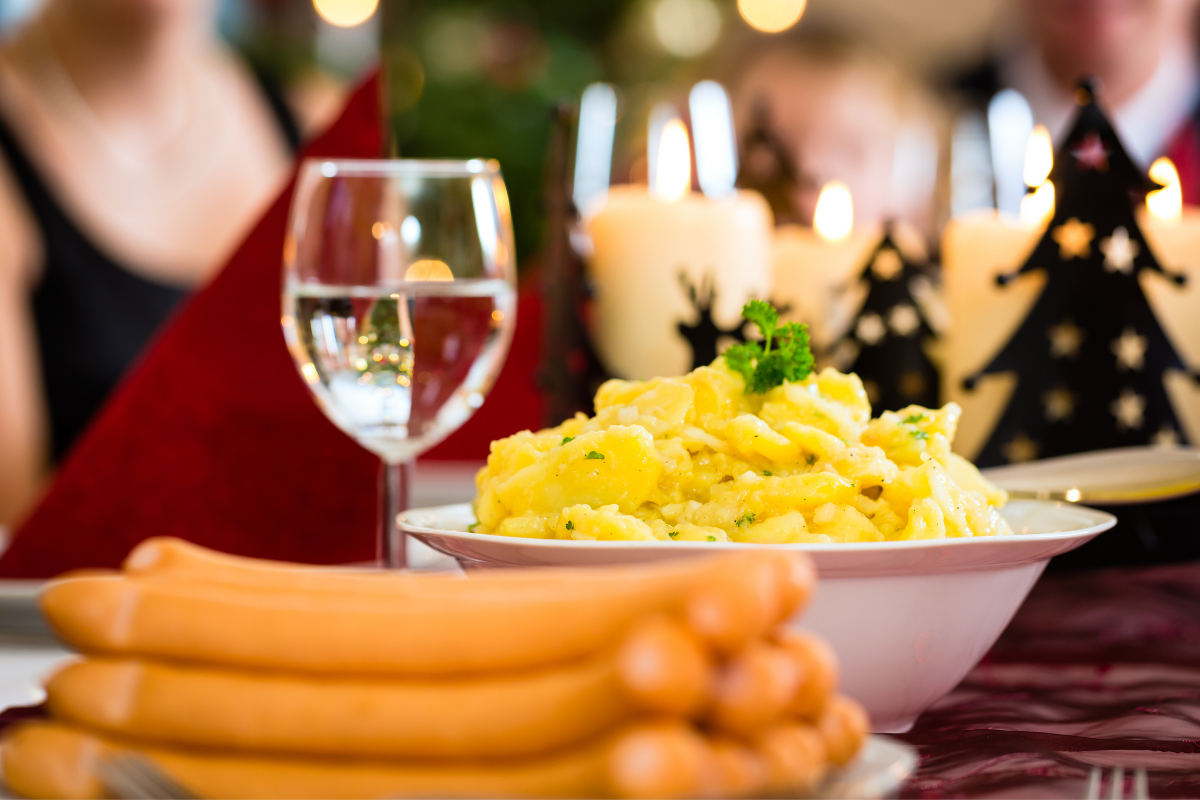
x=886 y=342
x=704 y=335
x=1091 y=355
x=767 y=167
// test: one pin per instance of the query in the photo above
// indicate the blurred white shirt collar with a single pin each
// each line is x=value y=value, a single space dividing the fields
x=1146 y=122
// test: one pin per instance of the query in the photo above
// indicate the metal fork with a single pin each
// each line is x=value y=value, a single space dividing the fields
x=133 y=776
x=1116 y=783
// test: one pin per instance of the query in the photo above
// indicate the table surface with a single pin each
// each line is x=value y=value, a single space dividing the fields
x=1100 y=668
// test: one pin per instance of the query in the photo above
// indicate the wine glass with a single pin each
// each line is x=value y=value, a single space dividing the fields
x=399 y=304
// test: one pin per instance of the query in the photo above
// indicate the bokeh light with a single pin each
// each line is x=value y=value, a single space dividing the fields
x=686 y=28
x=345 y=13
x=428 y=269
x=771 y=16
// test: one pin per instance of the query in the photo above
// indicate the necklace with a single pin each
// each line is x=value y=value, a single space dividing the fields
x=175 y=154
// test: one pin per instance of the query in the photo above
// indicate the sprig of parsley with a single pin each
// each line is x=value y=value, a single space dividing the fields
x=783 y=355
x=594 y=454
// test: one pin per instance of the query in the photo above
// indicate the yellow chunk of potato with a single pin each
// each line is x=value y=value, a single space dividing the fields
x=789 y=528
x=753 y=437
x=606 y=523
x=619 y=466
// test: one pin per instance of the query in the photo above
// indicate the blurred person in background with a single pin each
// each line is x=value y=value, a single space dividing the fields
x=135 y=151
x=1144 y=55
x=825 y=109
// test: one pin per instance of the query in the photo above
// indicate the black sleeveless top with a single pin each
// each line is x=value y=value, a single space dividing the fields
x=92 y=317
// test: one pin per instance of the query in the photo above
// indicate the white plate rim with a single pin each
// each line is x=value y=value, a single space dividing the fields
x=1102 y=522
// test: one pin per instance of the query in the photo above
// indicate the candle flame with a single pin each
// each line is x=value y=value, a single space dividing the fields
x=834 y=215
x=673 y=175
x=1165 y=204
x=1038 y=207
x=1039 y=157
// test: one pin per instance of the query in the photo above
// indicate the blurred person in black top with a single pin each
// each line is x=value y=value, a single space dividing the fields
x=135 y=151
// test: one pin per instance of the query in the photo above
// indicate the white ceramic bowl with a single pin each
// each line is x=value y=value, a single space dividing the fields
x=908 y=619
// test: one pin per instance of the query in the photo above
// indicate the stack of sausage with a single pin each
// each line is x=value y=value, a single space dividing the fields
x=244 y=678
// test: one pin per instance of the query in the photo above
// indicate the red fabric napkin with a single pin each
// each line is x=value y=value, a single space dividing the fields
x=213 y=437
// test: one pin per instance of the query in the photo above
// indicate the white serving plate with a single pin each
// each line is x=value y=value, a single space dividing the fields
x=907 y=619
x=1120 y=476
x=877 y=772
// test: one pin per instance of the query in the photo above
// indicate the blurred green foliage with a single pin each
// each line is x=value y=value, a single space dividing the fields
x=481 y=79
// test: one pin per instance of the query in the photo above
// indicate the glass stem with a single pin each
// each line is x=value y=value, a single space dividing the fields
x=396 y=482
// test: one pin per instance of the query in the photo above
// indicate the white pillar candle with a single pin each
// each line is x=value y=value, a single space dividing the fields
x=1173 y=230
x=976 y=248
x=649 y=247
x=815 y=278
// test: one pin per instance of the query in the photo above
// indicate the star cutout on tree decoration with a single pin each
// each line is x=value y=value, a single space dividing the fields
x=1060 y=404
x=870 y=329
x=1119 y=251
x=1074 y=239
x=1021 y=448
x=1130 y=350
x=913 y=385
x=1129 y=409
x=844 y=354
x=887 y=264
x=1166 y=437
x=1090 y=154
x=904 y=320
x=1065 y=340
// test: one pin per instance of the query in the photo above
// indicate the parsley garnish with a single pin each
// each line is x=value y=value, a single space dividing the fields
x=763 y=367
x=913 y=419
x=471 y=528
x=922 y=435
x=712 y=538
x=570 y=525
x=812 y=459
x=673 y=534
x=767 y=473
x=565 y=440
x=592 y=454
x=746 y=519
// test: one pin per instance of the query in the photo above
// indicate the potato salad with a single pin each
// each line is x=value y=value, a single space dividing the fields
x=755 y=448
x=696 y=458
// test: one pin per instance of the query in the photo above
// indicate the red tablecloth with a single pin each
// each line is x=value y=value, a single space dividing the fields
x=1098 y=669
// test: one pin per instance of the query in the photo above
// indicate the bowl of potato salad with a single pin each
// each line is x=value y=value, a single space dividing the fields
x=922 y=561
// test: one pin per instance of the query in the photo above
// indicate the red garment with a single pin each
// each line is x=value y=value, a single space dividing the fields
x=213 y=436
x=515 y=402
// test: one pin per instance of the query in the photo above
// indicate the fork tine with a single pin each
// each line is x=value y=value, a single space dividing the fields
x=166 y=786
x=113 y=776
x=1093 y=784
x=134 y=776
x=1116 y=787
x=123 y=779
x=1141 y=784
